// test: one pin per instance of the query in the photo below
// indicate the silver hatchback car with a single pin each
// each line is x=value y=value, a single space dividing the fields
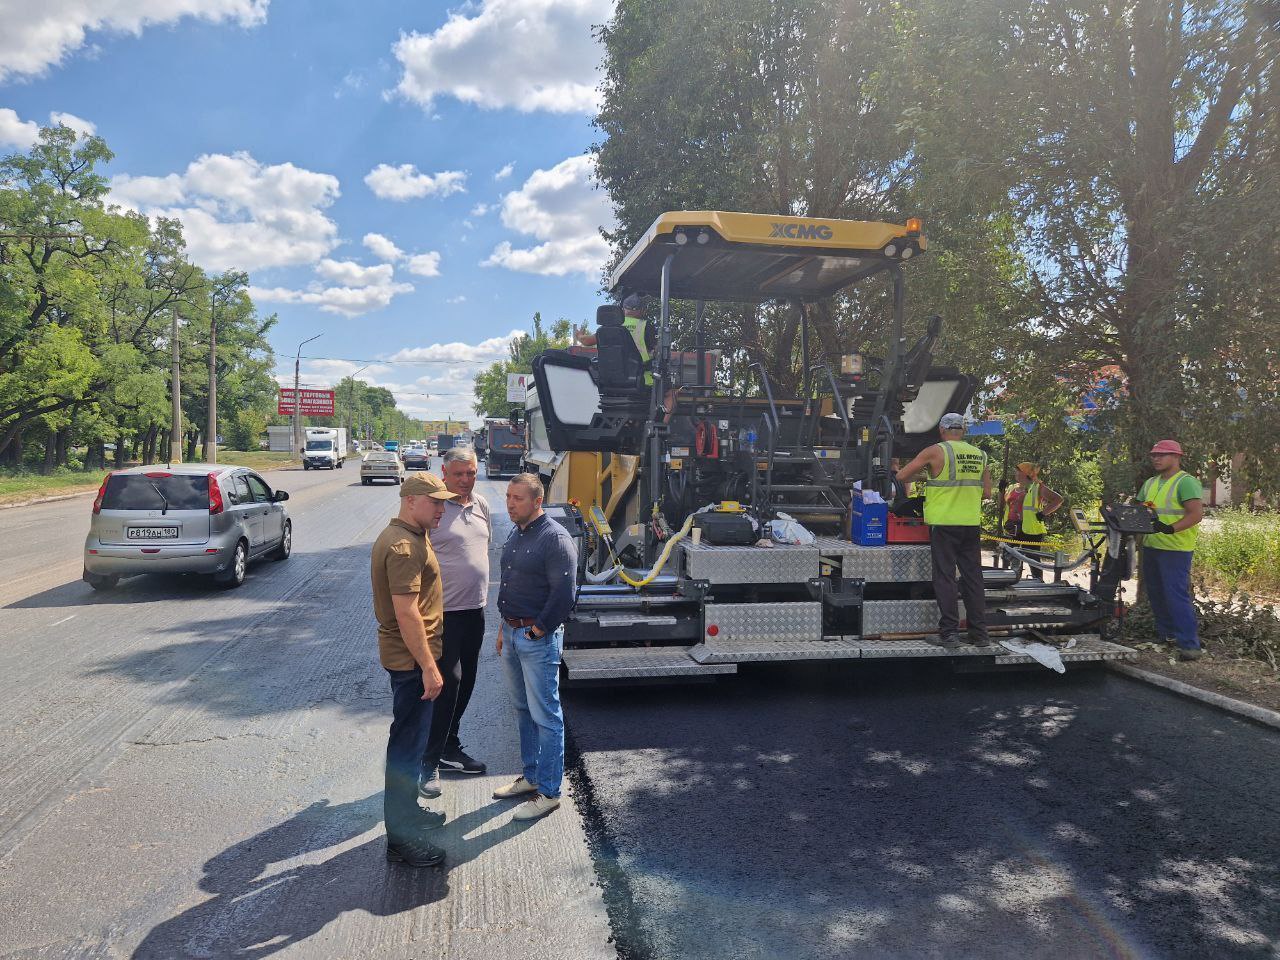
x=184 y=518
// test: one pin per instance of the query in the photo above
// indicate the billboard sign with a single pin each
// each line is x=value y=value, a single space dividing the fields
x=518 y=386
x=315 y=403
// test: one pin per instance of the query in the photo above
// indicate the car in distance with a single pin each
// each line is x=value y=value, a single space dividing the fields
x=381 y=465
x=392 y=445
x=184 y=518
x=416 y=457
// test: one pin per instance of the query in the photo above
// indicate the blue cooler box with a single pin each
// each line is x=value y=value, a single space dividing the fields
x=868 y=523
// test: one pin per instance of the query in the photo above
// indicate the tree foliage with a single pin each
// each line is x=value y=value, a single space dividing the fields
x=1098 y=183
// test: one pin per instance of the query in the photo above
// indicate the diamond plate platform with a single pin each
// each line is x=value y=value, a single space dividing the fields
x=764 y=622
x=781 y=563
x=755 y=651
x=620 y=663
x=1088 y=646
x=900 y=616
x=892 y=563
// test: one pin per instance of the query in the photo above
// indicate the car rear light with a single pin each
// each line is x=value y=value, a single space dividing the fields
x=215 y=495
x=102 y=492
x=158 y=476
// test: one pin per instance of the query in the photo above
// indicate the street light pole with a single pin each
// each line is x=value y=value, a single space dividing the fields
x=175 y=388
x=297 y=394
x=351 y=401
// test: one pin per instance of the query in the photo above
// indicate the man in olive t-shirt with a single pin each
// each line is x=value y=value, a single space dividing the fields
x=409 y=604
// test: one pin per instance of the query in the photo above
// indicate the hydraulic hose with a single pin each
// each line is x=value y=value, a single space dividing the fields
x=618 y=570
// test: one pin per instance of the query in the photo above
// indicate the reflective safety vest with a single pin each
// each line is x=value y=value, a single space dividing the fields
x=1030 y=504
x=954 y=497
x=636 y=327
x=1164 y=494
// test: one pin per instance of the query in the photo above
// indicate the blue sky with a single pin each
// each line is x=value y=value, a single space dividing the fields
x=408 y=180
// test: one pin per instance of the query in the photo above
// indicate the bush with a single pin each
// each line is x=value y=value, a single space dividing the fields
x=1237 y=628
x=244 y=430
x=1240 y=549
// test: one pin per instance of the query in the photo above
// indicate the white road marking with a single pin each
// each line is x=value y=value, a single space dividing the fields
x=63 y=620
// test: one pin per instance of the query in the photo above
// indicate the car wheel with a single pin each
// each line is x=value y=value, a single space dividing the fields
x=104 y=583
x=305 y=465
x=364 y=481
x=239 y=569
x=340 y=463
x=286 y=543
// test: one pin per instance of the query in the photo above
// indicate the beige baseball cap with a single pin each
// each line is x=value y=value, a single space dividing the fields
x=425 y=485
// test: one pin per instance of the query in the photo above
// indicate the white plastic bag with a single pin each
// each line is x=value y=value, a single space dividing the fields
x=787 y=529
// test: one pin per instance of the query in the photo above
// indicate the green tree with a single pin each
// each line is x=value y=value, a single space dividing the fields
x=491 y=383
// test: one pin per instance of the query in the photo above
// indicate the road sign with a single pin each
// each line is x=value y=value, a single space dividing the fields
x=315 y=403
x=517 y=386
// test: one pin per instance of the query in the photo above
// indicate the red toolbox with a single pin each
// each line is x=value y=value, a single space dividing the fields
x=907 y=530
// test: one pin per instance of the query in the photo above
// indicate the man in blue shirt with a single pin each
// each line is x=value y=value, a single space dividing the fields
x=535 y=595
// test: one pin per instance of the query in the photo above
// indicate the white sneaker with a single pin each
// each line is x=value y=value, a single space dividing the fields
x=518 y=788
x=535 y=807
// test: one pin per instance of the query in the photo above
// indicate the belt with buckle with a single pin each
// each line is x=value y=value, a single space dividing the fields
x=519 y=621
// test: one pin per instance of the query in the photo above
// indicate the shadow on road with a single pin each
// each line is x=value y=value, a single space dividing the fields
x=263 y=903
x=832 y=812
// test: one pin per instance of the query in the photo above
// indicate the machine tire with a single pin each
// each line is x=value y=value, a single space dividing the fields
x=239 y=571
x=286 y=543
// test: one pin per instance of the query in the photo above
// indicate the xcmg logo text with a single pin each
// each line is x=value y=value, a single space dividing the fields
x=801 y=231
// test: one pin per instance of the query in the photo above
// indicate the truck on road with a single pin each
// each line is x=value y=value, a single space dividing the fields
x=324 y=448
x=504 y=443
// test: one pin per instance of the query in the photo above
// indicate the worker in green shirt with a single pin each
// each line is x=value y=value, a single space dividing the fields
x=635 y=322
x=1178 y=500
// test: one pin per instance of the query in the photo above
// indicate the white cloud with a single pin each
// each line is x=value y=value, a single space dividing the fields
x=565 y=209
x=424 y=264
x=81 y=126
x=460 y=298
x=487 y=351
x=504 y=172
x=16 y=132
x=239 y=213
x=546 y=54
x=36 y=36
x=480 y=209
x=350 y=274
x=382 y=247
x=406 y=183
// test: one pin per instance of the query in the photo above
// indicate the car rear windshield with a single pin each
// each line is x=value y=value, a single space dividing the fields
x=137 y=491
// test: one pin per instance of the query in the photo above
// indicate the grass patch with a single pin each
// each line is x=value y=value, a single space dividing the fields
x=19 y=485
x=258 y=459
x=1238 y=550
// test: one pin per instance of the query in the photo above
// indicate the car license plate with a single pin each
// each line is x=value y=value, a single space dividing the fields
x=152 y=533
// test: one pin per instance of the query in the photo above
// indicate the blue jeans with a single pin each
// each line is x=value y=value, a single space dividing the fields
x=532 y=667
x=407 y=739
x=1167 y=576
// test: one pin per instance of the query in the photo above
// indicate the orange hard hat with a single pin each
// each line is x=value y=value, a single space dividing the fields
x=1168 y=446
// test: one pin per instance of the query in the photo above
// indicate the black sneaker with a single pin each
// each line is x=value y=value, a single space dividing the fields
x=414 y=853
x=948 y=642
x=456 y=761
x=979 y=639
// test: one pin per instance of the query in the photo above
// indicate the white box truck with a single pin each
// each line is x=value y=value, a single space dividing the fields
x=324 y=447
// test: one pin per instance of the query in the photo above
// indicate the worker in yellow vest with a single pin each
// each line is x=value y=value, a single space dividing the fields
x=1026 y=504
x=1178 y=500
x=958 y=480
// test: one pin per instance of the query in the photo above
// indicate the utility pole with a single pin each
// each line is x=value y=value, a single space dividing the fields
x=351 y=400
x=211 y=430
x=175 y=388
x=297 y=394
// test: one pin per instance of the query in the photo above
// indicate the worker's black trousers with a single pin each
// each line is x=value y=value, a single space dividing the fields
x=952 y=549
x=462 y=637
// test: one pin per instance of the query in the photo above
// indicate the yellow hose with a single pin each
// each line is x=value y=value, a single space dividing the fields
x=662 y=559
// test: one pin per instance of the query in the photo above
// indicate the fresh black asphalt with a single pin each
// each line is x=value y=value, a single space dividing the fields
x=826 y=812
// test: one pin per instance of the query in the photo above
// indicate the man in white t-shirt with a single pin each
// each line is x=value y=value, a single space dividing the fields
x=461 y=545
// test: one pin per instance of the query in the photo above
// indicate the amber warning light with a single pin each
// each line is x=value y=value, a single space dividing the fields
x=913 y=225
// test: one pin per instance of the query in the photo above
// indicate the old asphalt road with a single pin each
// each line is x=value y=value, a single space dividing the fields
x=188 y=772
x=192 y=772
